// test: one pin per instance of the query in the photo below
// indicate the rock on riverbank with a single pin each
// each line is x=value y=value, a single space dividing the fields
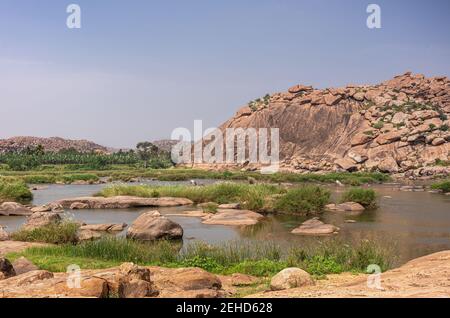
x=121 y=202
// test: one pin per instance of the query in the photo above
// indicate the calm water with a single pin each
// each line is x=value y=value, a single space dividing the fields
x=415 y=223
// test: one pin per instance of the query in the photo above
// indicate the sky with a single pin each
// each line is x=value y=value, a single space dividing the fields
x=136 y=70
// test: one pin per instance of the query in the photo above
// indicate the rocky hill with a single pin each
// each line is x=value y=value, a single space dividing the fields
x=53 y=144
x=398 y=126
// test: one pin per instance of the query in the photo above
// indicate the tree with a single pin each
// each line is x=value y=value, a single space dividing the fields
x=145 y=151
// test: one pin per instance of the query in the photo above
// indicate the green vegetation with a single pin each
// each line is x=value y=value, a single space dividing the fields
x=247 y=257
x=443 y=186
x=261 y=197
x=12 y=189
x=365 y=197
x=259 y=103
x=442 y=163
x=378 y=125
x=146 y=155
x=210 y=207
x=56 y=233
x=304 y=200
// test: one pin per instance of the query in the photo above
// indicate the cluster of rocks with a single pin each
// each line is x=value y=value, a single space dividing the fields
x=53 y=144
x=125 y=281
x=400 y=126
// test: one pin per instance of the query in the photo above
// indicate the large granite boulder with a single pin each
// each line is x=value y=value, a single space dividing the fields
x=151 y=226
x=291 y=278
x=41 y=219
x=233 y=217
x=14 y=209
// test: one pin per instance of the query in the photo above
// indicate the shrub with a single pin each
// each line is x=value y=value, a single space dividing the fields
x=55 y=233
x=210 y=207
x=365 y=197
x=443 y=186
x=303 y=200
x=378 y=125
x=12 y=189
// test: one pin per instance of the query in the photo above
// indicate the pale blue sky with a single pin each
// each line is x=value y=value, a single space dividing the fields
x=138 y=69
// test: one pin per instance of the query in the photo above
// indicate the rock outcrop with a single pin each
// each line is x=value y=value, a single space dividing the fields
x=53 y=144
x=151 y=226
x=233 y=217
x=121 y=202
x=41 y=219
x=14 y=209
x=398 y=126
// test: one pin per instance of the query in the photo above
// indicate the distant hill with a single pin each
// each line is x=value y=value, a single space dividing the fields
x=52 y=144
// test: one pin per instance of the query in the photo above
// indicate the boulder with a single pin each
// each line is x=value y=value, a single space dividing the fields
x=356 y=157
x=123 y=202
x=315 y=227
x=291 y=278
x=6 y=269
x=233 y=217
x=88 y=235
x=151 y=226
x=361 y=139
x=346 y=164
x=107 y=227
x=135 y=282
x=345 y=207
x=14 y=209
x=438 y=141
x=40 y=219
x=23 y=265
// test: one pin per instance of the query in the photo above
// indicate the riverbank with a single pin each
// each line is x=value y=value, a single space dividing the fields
x=419 y=278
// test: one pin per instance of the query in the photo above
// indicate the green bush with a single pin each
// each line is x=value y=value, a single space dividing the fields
x=365 y=197
x=56 y=233
x=443 y=186
x=304 y=200
x=12 y=189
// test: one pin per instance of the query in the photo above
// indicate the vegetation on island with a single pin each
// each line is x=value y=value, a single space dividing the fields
x=443 y=186
x=365 y=197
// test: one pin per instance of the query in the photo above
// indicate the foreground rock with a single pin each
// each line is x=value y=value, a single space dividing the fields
x=425 y=277
x=14 y=209
x=6 y=269
x=23 y=265
x=125 y=281
x=87 y=235
x=233 y=217
x=151 y=226
x=121 y=202
x=40 y=219
x=291 y=278
x=315 y=227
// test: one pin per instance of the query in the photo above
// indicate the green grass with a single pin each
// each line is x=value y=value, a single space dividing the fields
x=210 y=207
x=261 y=197
x=365 y=197
x=304 y=200
x=247 y=257
x=56 y=233
x=12 y=189
x=443 y=186
x=220 y=193
x=53 y=173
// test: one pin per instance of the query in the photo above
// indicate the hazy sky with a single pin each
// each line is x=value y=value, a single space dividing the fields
x=138 y=69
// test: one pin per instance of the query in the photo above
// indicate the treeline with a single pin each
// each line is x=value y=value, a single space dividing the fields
x=33 y=158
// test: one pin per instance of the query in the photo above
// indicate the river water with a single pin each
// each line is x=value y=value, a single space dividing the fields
x=413 y=223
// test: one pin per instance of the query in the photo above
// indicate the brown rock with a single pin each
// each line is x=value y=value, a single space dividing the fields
x=332 y=100
x=124 y=202
x=291 y=278
x=14 y=209
x=315 y=227
x=88 y=235
x=79 y=206
x=40 y=219
x=438 y=141
x=233 y=217
x=107 y=227
x=6 y=268
x=152 y=226
x=299 y=88
x=361 y=139
x=346 y=164
x=23 y=265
